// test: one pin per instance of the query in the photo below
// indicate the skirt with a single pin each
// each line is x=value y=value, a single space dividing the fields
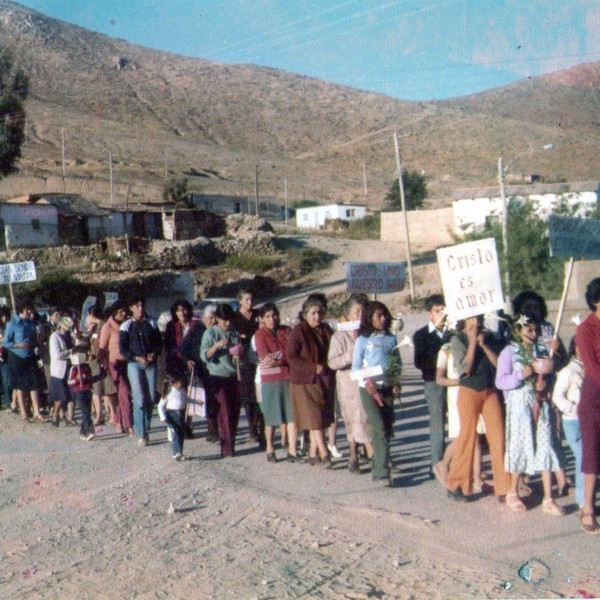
x=58 y=391
x=23 y=372
x=276 y=405
x=312 y=406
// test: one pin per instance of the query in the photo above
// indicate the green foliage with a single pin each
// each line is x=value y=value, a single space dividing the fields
x=415 y=191
x=529 y=260
x=13 y=90
x=176 y=190
x=367 y=228
x=310 y=259
x=251 y=263
x=304 y=204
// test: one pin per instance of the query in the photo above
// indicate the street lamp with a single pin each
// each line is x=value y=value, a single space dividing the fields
x=502 y=169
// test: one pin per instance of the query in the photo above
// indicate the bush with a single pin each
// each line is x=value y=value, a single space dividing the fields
x=251 y=263
x=367 y=228
x=310 y=259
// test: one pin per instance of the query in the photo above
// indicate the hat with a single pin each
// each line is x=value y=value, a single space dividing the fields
x=65 y=322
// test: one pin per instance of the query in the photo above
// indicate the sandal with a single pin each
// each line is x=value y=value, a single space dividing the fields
x=592 y=526
x=551 y=508
x=514 y=502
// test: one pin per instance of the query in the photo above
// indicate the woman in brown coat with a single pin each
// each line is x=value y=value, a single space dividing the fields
x=312 y=382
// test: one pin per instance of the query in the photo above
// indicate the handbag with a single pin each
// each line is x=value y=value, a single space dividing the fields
x=196 y=406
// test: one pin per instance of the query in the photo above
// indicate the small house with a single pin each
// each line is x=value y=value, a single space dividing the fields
x=314 y=217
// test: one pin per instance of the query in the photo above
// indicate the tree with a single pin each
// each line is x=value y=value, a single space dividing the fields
x=176 y=190
x=415 y=191
x=14 y=86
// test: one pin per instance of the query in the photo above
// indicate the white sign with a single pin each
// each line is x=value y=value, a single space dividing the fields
x=375 y=277
x=348 y=326
x=17 y=272
x=471 y=279
x=366 y=373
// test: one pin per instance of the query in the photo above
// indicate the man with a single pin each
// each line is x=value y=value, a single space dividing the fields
x=21 y=342
x=427 y=342
x=140 y=343
x=245 y=321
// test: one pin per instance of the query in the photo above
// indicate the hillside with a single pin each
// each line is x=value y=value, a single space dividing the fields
x=157 y=113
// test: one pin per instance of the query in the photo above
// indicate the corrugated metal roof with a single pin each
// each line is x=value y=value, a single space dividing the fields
x=66 y=204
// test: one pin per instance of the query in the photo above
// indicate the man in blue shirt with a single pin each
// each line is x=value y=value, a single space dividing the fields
x=21 y=343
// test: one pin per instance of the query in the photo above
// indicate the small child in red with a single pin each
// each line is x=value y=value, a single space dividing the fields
x=80 y=381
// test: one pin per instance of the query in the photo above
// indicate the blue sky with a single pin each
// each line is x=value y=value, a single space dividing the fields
x=409 y=49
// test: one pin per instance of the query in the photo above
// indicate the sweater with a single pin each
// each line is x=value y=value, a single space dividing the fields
x=567 y=389
x=221 y=363
x=374 y=351
x=176 y=399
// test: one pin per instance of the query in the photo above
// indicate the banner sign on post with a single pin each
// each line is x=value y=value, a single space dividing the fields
x=471 y=279
x=572 y=237
x=375 y=277
x=17 y=272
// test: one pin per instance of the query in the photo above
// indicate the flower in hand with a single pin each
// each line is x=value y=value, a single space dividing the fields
x=374 y=393
x=236 y=350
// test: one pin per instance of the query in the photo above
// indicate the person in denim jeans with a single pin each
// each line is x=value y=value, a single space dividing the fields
x=140 y=344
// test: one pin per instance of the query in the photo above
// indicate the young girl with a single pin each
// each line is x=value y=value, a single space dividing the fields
x=80 y=382
x=171 y=410
x=374 y=347
x=529 y=445
x=566 y=395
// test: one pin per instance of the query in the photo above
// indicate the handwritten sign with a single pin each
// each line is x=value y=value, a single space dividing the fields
x=17 y=272
x=572 y=237
x=470 y=278
x=375 y=277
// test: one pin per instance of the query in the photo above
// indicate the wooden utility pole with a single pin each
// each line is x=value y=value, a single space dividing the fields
x=403 y=204
x=62 y=136
x=112 y=191
x=365 y=179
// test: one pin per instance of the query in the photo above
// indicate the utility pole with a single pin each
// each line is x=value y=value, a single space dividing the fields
x=403 y=204
x=62 y=136
x=501 y=181
x=365 y=179
x=112 y=191
x=166 y=164
x=285 y=200
x=256 y=186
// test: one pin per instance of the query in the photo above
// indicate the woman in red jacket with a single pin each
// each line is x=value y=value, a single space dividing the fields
x=271 y=345
x=312 y=382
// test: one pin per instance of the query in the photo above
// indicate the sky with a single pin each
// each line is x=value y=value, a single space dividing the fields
x=408 y=49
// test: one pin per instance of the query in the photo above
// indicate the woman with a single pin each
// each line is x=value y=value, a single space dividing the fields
x=183 y=336
x=475 y=361
x=341 y=350
x=114 y=362
x=376 y=347
x=271 y=345
x=588 y=342
x=312 y=382
x=220 y=350
x=103 y=389
x=61 y=343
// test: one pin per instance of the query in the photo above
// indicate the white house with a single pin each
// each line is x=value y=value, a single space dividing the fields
x=473 y=207
x=314 y=217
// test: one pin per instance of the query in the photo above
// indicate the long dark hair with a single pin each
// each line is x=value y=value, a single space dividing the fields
x=366 y=323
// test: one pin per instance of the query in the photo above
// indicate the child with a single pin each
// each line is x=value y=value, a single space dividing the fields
x=375 y=347
x=171 y=410
x=529 y=445
x=80 y=382
x=565 y=397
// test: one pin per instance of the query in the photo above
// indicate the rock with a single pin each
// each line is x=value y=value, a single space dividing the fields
x=171 y=509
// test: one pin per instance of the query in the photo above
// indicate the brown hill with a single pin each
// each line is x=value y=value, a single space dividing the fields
x=161 y=114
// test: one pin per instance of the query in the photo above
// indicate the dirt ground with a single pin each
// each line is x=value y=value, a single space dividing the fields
x=106 y=519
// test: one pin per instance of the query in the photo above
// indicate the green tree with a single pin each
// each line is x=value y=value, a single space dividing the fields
x=14 y=86
x=176 y=190
x=531 y=266
x=415 y=191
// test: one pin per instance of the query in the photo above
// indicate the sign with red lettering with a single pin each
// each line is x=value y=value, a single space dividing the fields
x=471 y=279
x=375 y=278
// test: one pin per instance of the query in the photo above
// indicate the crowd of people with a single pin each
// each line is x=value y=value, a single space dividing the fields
x=510 y=379
x=513 y=380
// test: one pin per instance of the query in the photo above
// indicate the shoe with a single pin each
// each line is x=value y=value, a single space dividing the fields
x=383 y=482
x=293 y=458
x=334 y=451
x=514 y=502
x=130 y=432
x=271 y=457
x=70 y=423
x=353 y=467
x=457 y=495
x=313 y=460
x=55 y=423
x=178 y=457
x=551 y=508
x=90 y=437
x=142 y=442
x=327 y=464
x=83 y=438
x=39 y=419
x=591 y=526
